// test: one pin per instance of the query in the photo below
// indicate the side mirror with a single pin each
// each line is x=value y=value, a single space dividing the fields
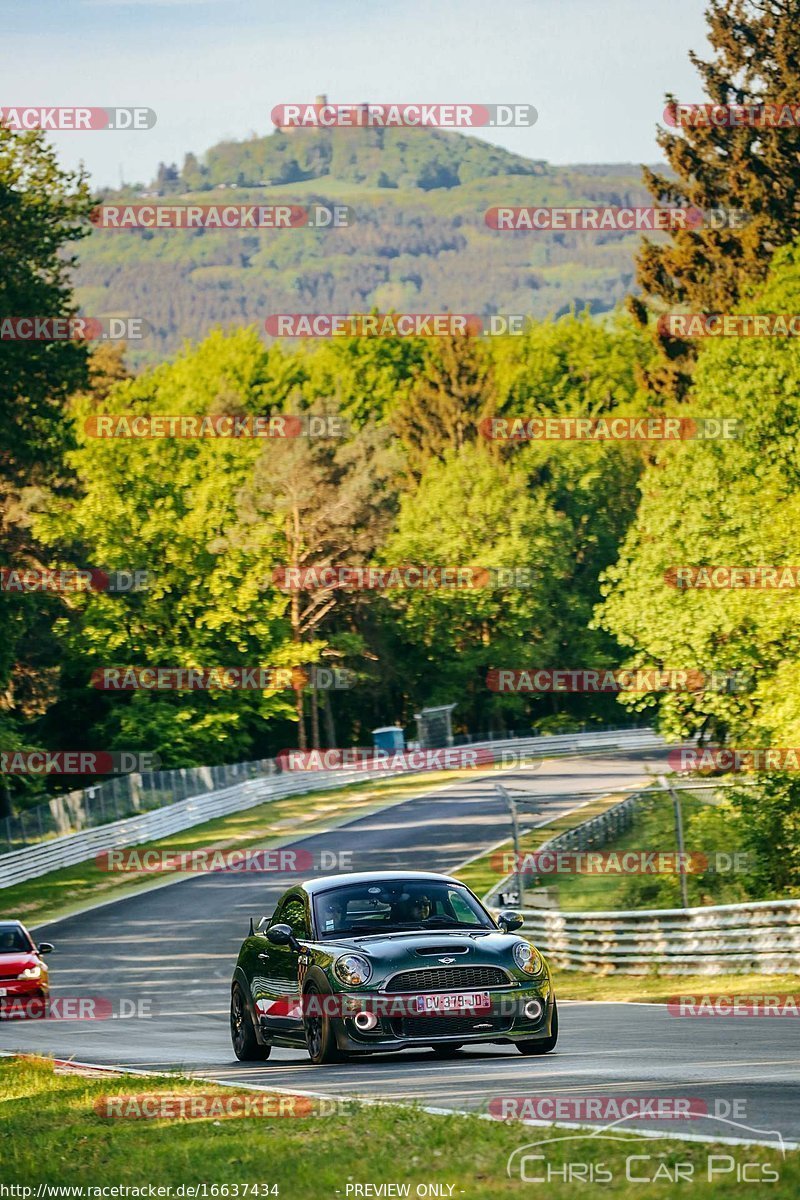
x=281 y=935
x=45 y=948
x=509 y=920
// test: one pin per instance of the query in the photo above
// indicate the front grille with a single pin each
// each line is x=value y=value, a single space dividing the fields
x=456 y=1026
x=448 y=979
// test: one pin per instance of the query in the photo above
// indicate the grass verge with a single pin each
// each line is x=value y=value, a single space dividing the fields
x=483 y=873
x=54 y=1135
x=710 y=834
x=658 y=989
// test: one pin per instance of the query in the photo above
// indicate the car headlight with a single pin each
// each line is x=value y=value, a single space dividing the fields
x=30 y=973
x=352 y=969
x=527 y=959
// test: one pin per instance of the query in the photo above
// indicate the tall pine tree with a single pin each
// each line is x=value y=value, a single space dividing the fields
x=750 y=169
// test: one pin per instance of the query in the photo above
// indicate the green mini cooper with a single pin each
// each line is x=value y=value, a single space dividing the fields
x=365 y=963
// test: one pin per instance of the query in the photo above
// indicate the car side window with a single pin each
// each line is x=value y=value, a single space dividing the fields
x=293 y=914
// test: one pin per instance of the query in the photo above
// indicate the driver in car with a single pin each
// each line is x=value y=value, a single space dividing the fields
x=413 y=910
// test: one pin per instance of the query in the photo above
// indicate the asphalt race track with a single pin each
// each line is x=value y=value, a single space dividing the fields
x=174 y=948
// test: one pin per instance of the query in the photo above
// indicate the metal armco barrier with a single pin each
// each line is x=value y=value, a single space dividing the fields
x=762 y=937
x=39 y=859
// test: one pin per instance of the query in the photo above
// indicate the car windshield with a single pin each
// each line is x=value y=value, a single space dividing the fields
x=392 y=906
x=12 y=940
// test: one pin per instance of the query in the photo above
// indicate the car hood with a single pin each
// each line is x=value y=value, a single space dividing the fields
x=14 y=964
x=419 y=950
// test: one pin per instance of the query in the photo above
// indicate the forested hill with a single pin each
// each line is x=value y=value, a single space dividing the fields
x=417 y=242
x=382 y=158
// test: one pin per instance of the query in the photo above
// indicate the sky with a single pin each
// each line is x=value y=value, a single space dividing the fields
x=596 y=70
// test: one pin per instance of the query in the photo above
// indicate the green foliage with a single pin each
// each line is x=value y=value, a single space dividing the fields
x=468 y=510
x=167 y=505
x=42 y=211
x=723 y=502
x=768 y=820
x=746 y=169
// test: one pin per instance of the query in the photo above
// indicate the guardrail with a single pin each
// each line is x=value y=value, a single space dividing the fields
x=37 y=860
x=588 y=835
x=763 y=937
x=122 y=796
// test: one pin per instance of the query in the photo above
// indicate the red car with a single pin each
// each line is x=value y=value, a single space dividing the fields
x=24 y=978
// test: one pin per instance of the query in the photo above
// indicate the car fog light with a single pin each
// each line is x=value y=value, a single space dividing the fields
x=533 y=1010
x=365 y=1021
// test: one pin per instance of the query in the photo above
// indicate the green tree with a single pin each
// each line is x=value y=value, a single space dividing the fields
x=723 y=502
x=746 y=169
x=577 y=368
x=452 y=393
x=167 y=506
x=470 y=510
x=331 y=500
x=43 y=209
x=732 y=503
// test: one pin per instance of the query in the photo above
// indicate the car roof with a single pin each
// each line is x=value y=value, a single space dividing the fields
x=6 y=923
x=314 y=886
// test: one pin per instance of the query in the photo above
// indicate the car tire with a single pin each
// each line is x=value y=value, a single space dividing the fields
x=447 y=1051
x=320 y=1037
x=246 y=1045
x=542 y=1045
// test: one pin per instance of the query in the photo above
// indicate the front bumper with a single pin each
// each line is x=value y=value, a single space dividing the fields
x=505 y=1021
x=23 y=998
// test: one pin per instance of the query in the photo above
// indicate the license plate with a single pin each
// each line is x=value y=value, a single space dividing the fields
x=454 y=1002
